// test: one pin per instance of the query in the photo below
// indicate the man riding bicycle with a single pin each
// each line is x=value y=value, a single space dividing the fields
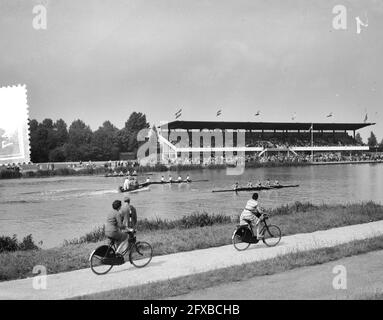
x=252 y=214
x=114 y=224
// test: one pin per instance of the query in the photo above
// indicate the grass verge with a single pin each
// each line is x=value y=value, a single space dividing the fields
x=184 y=285
x=292 y=219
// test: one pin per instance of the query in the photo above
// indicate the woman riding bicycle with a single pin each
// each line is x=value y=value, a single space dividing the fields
x=252 y=214
x=114 y=224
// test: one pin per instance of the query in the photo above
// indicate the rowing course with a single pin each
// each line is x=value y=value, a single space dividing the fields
x=162 y=268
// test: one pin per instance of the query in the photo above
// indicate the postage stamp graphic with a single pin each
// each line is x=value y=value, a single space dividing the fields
x=14 y=126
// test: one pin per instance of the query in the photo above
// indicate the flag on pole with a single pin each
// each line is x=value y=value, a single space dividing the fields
x=329 y=115
x=258 y=113
x=365 y=118
x=178 y=113
x=219 y=112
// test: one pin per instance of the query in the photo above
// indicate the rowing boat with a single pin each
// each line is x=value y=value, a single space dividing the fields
x=168 y=182
x=258 y=188
x=126 y=175
x=119 y=175
x=139 y=189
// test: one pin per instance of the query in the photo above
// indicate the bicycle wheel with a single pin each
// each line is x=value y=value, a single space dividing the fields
x=140 y=254
x=238 y=243
x=272 y=235
x=96 y=264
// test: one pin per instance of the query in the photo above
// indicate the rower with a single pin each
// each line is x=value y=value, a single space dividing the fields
x=135 y=183
x=147 y=180
x=134 y=172
x=162 y=179
x=267 y=184
x=126 y=184
x=259 y=184
x=276 y=183
x=236 y=186
x=170 y=179
x=188 y=178
x=179 y=179
x=249 y=184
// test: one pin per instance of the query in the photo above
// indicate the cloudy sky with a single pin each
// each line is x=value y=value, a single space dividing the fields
x=101 y=60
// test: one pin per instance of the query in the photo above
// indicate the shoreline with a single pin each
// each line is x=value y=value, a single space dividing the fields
x=101 y=171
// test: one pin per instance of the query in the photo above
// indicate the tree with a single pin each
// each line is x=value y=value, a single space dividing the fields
x=127 y=137
x=79 y=133
x=381 y=144
x=372 y=141
x=57 y=155
x=105 y=142
x=42 y=139
x=79 y=139
x=61 y=132
x=358 y=139
x=34 y=141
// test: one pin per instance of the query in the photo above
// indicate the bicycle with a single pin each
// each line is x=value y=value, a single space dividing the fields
x=105 y=257
x=243 y=235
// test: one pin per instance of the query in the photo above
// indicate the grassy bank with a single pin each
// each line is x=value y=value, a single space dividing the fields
x=184 y=285
x=181 y=235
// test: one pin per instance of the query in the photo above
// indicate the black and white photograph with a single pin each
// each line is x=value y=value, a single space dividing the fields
x=171 y=152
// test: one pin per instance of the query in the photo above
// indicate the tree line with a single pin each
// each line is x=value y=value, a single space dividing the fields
x=56 y=142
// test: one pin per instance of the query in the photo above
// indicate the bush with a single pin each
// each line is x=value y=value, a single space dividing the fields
x=96 y=235
x=64 y=172
x=9 y=174
x=8 y=244
x=194 y=220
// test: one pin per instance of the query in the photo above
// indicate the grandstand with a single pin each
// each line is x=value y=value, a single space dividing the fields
x=220 y=142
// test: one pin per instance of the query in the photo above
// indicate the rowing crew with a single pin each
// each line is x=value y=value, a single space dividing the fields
x=132 y=183
x=179 y=179
x=257 y=185
x=121 y=174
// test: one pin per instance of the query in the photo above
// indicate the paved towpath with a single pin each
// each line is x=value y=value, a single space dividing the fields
x=82 y=282
x=363 y=280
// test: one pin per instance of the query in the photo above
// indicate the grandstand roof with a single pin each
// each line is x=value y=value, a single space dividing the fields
x=211 y=125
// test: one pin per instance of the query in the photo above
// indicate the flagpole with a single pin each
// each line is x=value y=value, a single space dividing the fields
x=312 y=142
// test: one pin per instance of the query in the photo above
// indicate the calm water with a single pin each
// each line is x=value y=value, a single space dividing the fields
x=54 y=209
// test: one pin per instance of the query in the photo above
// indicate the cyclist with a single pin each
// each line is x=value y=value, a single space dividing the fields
x=114 y=224
x=253 y=214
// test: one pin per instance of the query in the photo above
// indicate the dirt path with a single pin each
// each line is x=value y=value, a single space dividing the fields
x=82 y=282
x=364 y=276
